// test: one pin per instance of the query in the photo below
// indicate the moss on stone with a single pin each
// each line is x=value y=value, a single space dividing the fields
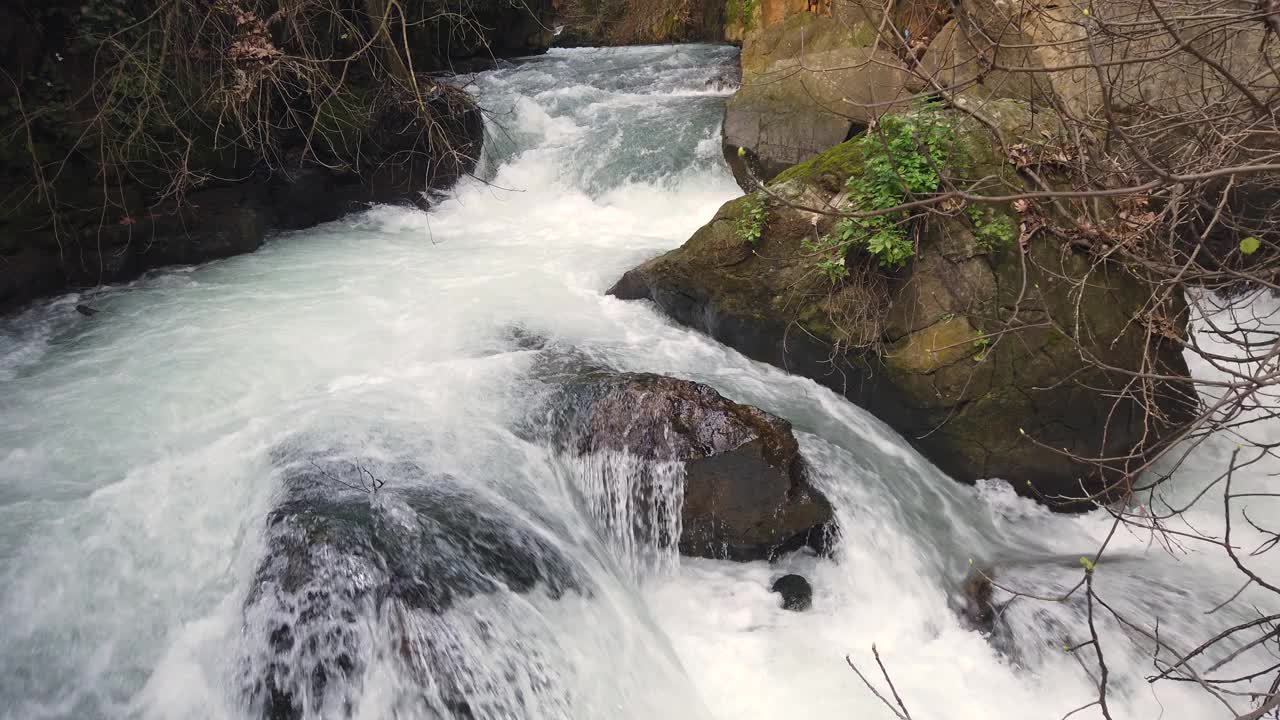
x=742 y=13
x=828 y=170
x=935 y=347
x=800 y=34
x=815 y=318
x=865 y=34
x=975 y=150
x=926 y=367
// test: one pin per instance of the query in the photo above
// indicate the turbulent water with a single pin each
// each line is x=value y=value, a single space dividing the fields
x=143 y=450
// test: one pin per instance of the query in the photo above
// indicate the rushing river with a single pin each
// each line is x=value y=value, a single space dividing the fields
x=140 y=455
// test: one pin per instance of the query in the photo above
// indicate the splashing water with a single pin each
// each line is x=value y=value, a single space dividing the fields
x=141 y=460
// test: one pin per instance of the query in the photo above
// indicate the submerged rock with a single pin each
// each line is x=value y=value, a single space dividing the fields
x=354 y=570
x=976 y=607
x=976 y=352
x=746 y=495
x=796 y=592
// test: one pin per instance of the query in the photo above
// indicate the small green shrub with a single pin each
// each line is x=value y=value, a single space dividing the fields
x=901 y=159
x=751 y=223
x=994 y=230
x=834 y=269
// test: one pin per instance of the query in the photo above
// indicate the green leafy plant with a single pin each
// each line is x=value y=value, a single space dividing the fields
x=742 y=11
x=984 y=346
x=1250 y=245
x=834 y=269
x=751 y=222
x=901 y=159
x=993 y=229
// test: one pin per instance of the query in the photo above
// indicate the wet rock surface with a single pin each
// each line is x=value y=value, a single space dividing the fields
x=976 y=601
x=360 y=560
x=746 y=495
x=796 y=592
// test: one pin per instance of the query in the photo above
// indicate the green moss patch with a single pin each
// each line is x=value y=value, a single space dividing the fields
x=935 y=347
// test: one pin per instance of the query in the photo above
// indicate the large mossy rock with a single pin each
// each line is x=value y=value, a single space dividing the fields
x=808 y=83
x=974 y=352
x=746 y=495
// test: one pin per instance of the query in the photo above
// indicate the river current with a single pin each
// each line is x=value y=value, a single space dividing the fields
x=139 y=459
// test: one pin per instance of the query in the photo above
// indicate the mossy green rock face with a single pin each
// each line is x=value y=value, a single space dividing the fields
x=807 y=82
x=974 y=354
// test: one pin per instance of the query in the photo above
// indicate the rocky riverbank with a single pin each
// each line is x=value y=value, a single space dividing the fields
x=966 y=350
x=114 y=161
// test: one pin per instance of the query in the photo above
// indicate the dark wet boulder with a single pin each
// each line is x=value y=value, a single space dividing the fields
x=796 y=592
x=361 y=562
x=506 y=29
x=746 y=494
x=422 y=146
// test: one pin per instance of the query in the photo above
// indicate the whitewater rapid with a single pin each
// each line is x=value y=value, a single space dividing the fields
x=136 y=458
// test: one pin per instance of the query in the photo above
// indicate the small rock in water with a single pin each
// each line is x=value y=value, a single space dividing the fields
x=977 y=610
x=525 y=339
x=86 y=310
x=797 y=593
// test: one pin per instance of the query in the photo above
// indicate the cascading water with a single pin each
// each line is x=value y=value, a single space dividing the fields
x=146 y=453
